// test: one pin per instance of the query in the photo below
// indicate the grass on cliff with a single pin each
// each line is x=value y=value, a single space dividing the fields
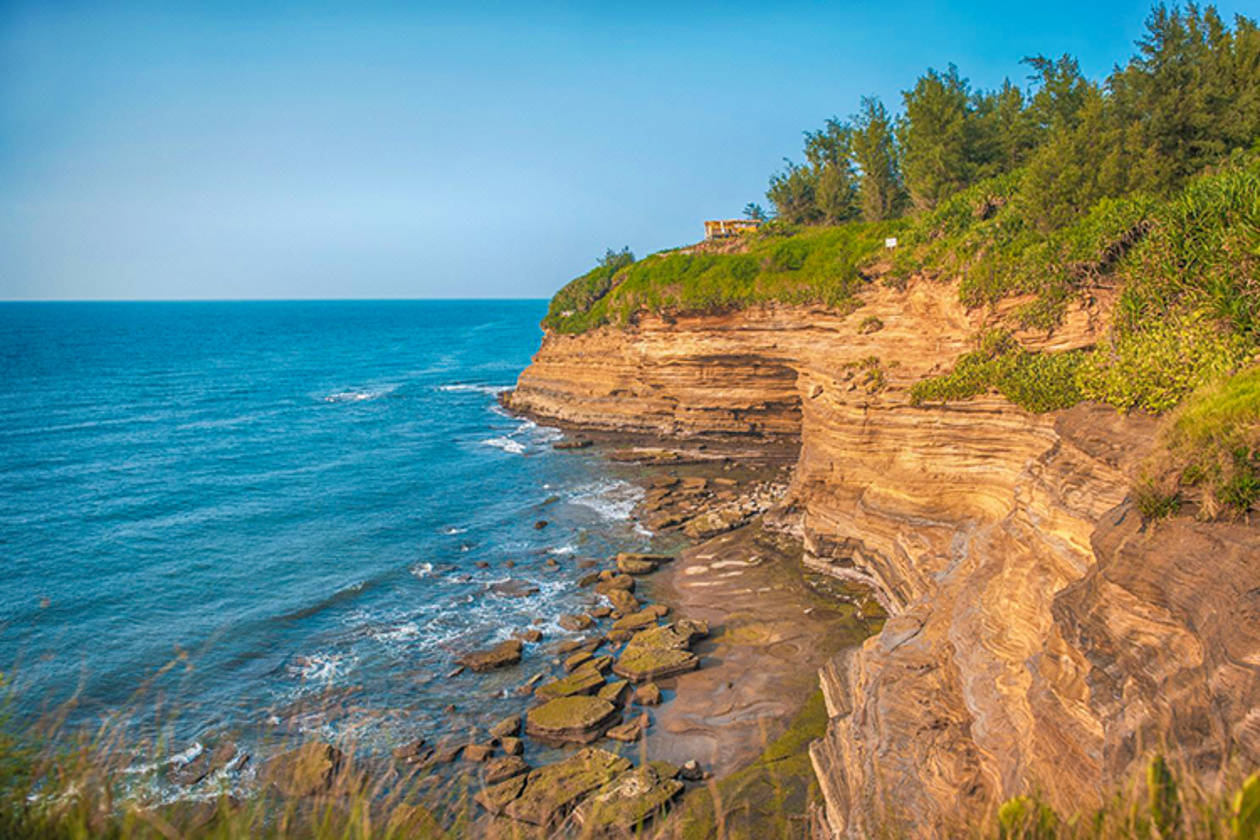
x=779 y=263
x=1163 y=805
x=1210 y=449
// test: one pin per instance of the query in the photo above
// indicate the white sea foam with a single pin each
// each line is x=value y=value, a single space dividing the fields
x=611 y=499
x=321 y=667
x=564 y=549
x=422 y=570
x=451 y=530
x=358 y=394
x=399 y=633
x=507 y=444
x=471 y=387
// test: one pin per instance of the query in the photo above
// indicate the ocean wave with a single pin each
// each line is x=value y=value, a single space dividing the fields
x=507 y=444
x=422 y=570
x=612 y=499
x=474 y=388
x=322 y=667
x=452 y=530
x=398 y=633
x=359 y=394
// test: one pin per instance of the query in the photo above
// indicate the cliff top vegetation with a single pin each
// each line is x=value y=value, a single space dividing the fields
x=1147 y=181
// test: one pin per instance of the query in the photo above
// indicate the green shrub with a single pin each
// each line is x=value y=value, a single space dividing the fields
x=1024 y=818
x=1157 y=367
x=1036 y=382
x=870 y=324
x=1213 y=443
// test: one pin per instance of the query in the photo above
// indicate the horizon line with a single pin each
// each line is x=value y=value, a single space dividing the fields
x=277 y=300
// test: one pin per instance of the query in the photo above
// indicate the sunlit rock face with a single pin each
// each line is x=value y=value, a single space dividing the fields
x=1042 y=637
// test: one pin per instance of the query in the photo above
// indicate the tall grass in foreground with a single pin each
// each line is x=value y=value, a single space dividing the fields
x=75 y=792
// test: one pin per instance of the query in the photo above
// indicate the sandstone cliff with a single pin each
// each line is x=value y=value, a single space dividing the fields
x=1042 y=638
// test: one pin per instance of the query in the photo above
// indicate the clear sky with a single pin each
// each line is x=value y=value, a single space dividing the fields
x=289 y=149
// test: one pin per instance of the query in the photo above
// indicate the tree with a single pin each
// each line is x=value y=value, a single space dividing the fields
x=933 y=136
x=880 y=192
x=829 y=152
x=752 y=210
x=616 y=260
x=793 y=193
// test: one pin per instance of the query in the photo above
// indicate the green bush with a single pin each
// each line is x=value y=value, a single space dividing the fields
x=1158 y=366
x=1036 y=382
x=779 y=264
x=1213 y=443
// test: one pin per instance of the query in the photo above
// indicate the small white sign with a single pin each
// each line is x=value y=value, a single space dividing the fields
x=890 y=242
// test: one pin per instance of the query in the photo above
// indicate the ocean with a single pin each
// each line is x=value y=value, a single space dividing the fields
x=275 y=520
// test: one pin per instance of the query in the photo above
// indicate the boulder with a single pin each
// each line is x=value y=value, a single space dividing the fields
x=501 y=655
x=632 y=730
x=614 y=692
x=502 y=769
x=622 y=601
x=608 y=584
x=531 y=635
x=576 y=660
x=478 y=753
x=636 y=621
x=206 y=763
x=409 y=752
x=545 y=796
x=634 y=566
x=580 y=719
x=622 y=806
x=580 y=443
x=714 y=522
x=584 y=680
x=310 y=769
x=648 y=694
x=507 y=727
x=511 y=745
x=575 y=623
x=691 y=771
x=640 y=664
x=513 y=588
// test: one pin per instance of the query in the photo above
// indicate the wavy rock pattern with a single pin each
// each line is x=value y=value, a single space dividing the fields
x=1041 y=638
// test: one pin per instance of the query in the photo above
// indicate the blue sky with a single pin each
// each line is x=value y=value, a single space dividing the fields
x=280 y=150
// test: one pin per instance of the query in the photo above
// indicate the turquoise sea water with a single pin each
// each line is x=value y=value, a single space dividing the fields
x=287 y=500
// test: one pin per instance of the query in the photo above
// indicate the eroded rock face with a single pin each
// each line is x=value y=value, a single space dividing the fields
x=1035 y=622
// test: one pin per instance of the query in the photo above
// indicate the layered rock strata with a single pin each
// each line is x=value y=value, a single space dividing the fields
x=1041 y=638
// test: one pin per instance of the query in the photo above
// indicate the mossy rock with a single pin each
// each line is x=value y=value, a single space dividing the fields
x=628 y=802
x=585 y=680
x=661 y=638
x=310 y=769
x=544 y=797
x=614 y=692
x=579 y=719
x=640 y=664
x=622 y=601
x=635 y=621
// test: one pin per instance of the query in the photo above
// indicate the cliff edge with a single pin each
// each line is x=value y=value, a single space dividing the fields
x=1042 y=637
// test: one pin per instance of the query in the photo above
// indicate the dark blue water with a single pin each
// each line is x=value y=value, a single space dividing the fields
x=286 y=500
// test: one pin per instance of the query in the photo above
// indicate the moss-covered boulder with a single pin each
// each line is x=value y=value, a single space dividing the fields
x=640 y=664
x=622 y=601
x=544 y=797
x=635 y=621
x=631 y=800
x=585 y=680
x=614 y=692
x=579 y=719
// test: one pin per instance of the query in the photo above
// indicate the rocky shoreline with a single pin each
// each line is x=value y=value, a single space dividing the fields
x=688 y=661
